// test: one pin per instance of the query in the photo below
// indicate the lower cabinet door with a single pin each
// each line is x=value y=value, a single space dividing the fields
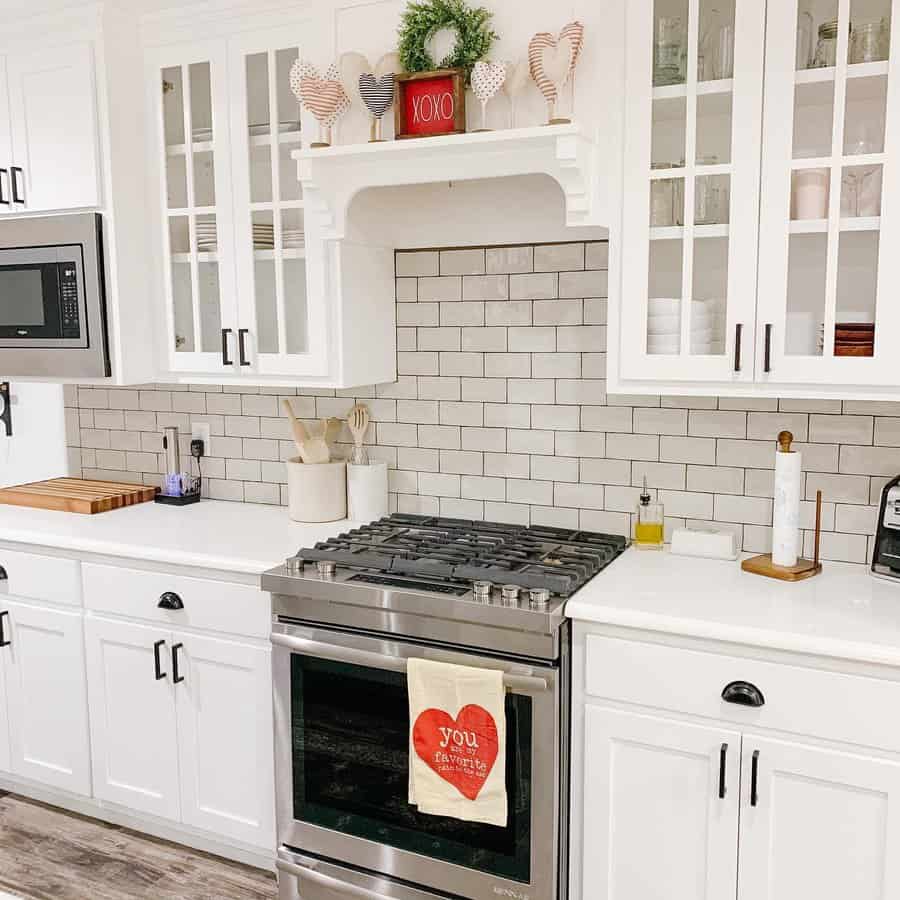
x=655 y=824
x=5 y=759
x=47 y=697
x=225 y=738
x=818 y=823
x=133 y=733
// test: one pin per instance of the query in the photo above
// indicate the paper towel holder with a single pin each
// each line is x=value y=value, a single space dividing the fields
x=804 y=568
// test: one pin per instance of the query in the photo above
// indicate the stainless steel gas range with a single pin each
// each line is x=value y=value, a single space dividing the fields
x=348 y=615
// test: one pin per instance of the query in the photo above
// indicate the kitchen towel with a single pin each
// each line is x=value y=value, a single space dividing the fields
x=457 y=741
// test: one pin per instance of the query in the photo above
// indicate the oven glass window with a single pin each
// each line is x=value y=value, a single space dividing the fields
x=21 y=297
x=350 y=733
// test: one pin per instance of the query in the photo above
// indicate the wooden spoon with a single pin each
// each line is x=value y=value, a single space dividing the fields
x=358 y=423
x=301 y=436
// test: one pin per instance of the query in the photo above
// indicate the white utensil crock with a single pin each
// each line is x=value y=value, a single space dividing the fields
x=367 y=491
x=317 y=493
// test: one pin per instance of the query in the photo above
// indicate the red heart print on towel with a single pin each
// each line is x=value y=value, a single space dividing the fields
x=461 y=751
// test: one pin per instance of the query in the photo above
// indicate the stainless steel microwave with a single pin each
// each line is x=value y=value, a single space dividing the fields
x=52 y=297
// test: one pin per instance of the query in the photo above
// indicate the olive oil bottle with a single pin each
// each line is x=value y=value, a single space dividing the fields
x=649 y=525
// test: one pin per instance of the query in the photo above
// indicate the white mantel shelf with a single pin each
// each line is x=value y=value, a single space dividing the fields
x=332 y=176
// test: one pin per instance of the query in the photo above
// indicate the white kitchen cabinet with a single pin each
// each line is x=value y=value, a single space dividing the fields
x=53 y=140
x=224 y=715
x=822 y=824
x=133 y=731
x=5 y=757
x=757 y=210
x=664 y=808
x=46 y=696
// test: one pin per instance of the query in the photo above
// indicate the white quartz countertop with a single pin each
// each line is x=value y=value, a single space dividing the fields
x=228 y=537
x=843 y=612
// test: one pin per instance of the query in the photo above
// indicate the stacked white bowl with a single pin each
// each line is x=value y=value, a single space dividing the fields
x=664 y=326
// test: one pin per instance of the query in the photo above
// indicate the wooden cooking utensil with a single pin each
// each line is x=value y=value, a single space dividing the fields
x=301 y=436
x=316 y=446
x=358 y=423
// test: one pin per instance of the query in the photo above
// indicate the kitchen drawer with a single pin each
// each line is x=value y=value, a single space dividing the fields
x=211 y=605
x=34 y=577
x=804 y=701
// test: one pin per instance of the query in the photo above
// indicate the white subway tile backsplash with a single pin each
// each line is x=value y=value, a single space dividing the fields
x=500 y=411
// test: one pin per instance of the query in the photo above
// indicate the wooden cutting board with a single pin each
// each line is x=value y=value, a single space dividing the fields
x=76 y=495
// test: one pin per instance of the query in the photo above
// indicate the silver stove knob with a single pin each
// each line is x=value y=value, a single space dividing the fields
x=509 y=594
x=539 y=598
x=482 y=591
x=326 y=568
x=294 y=565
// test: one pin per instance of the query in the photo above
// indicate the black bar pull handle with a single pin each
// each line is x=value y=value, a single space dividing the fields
x=754 y=779
x=3 y=173
x=743 y=693
x=225 y=360
x=767 y=362
x=242 y=349
x=15 y=172
x=723 y=756
x=738 y=336
x=4 y=641
x=176 y=676
x=157 y=663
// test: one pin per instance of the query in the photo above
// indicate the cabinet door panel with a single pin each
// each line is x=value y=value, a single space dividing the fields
x=655 y=827
x=47 y=697
x=225 y=738
x=692 y=148
x=133 y=734
x=825 y=824
x=6 y=151
x=53 y=113
x=5 y=757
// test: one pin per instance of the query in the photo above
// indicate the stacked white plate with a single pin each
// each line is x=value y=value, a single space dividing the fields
x=664 y=327
x=206 y=237
x=293 y=238
x=263 y=236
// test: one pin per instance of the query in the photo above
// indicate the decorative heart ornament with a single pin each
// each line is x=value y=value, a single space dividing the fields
x=487 y=79
x=574 y=34
x=323 y=97
x=351 y=66
x=552 y=59
x=462 y=751
x=377 y=93
x=390 y=62
x=517 y=76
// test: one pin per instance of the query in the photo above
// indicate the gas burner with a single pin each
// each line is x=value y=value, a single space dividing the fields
x=447 y=555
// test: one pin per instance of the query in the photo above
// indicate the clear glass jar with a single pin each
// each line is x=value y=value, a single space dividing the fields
x=669 y=52
x=826 y=49
x=867 y=43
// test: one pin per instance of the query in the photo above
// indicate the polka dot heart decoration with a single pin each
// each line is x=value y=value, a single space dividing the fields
x=487 y=79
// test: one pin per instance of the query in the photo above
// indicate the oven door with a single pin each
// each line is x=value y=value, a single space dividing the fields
x=342 y=770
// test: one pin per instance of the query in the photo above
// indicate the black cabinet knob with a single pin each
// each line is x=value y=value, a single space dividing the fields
x=743 y=694
x=170 y=600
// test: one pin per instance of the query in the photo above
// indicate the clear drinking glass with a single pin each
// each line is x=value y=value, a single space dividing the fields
x=724 y=67
x=806 y=36
x=867 y=43
x=669 y=51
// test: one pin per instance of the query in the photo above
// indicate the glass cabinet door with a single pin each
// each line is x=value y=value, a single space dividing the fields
x=269 y=218
x=694 y=76
x=197 y=242
x=831 y=128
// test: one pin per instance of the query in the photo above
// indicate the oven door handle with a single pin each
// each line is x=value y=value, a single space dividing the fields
x=520 y=684
x=326 y=881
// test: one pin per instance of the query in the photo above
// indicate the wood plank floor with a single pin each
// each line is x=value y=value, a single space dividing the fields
x=48 y=854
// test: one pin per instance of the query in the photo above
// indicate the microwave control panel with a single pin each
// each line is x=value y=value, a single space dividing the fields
x=68 y=295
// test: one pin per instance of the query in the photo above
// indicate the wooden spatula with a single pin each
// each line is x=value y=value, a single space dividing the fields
x=308 y=452
x=358 y=423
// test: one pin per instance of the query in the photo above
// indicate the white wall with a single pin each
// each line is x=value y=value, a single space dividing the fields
x=37 y=448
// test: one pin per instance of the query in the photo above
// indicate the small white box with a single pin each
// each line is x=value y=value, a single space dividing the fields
x=707 y=543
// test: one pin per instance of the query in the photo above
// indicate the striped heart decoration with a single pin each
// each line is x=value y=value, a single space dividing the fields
x=549 y=61
x=323 y=97
x=574 y=34
x=377 y=93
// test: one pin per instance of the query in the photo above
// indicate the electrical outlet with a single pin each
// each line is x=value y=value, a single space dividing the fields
x=200 y=432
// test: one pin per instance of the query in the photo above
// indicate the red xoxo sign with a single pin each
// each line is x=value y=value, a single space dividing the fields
x=430 y=103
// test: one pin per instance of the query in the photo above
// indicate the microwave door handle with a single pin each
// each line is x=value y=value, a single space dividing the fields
x=341 y=888
x=520 y=684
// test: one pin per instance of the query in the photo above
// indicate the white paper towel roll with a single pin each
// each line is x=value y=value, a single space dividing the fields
x=786 y=521
x=367 y=491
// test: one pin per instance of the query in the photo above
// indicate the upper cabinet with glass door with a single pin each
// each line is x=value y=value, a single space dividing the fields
x=188 y=92
x=829 y=265
x=694 y=87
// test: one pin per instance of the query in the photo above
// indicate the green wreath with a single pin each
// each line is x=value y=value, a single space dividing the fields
x=422 y=20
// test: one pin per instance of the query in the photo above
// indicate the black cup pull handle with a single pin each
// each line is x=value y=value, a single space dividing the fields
x=157 y=663
x=4 y=641
x=3 y=574
x=738 y=336
x=226 y=360
x=242 y=348
x=767 y=363
x=743 y=693
x=15 y=172
x=177 y=677
x=723 y=758
x=170 y=600
x=754 y=779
